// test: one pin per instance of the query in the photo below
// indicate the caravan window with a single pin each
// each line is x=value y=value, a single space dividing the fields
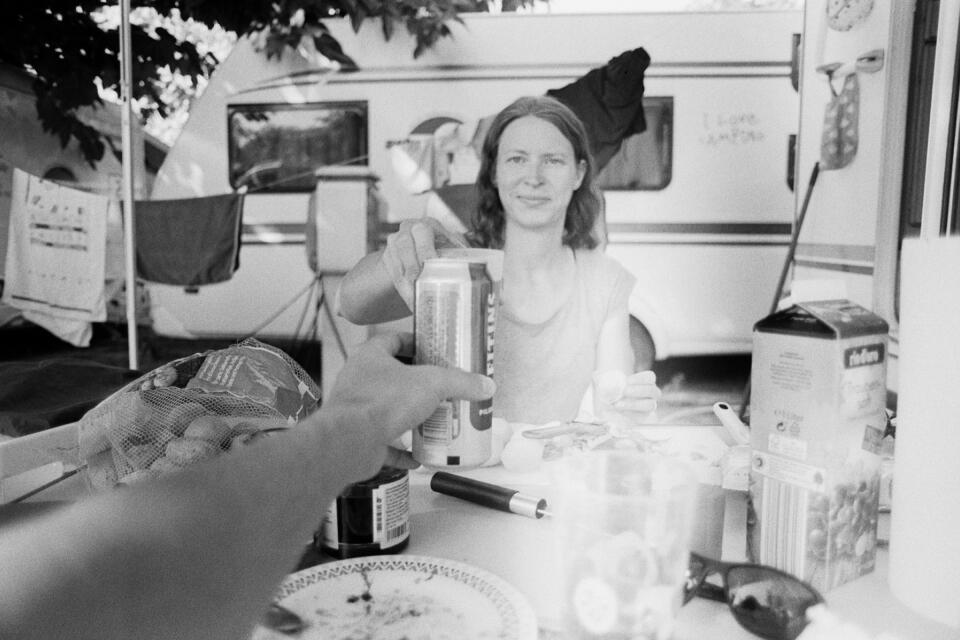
x=645 y=160
x=277 y=147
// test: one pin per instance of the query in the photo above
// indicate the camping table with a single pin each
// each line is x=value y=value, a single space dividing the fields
x=519 y=549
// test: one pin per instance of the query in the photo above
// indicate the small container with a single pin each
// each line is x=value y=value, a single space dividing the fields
x=368 y=518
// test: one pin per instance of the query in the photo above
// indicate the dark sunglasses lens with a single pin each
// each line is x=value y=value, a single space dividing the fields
x=696 y=572
x=768 y=603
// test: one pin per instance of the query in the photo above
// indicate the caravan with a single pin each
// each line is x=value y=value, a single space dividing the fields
x=699 y=206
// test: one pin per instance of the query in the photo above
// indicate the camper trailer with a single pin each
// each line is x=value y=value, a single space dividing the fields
x=699 y=206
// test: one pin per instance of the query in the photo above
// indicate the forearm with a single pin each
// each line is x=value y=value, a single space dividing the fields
x=368 y=295
x=614 y=351
x=178 y=561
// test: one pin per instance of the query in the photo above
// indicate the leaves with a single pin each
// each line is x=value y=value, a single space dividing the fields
x=68 y=46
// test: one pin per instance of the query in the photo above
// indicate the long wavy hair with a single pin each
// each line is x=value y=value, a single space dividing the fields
x=586 y=202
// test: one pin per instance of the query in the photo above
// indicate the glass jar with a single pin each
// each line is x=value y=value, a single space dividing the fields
x=368 y=518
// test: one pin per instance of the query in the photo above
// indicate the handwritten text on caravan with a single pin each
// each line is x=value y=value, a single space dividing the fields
x=734 y=128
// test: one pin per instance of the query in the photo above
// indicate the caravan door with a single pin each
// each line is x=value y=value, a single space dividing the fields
x=854 y=89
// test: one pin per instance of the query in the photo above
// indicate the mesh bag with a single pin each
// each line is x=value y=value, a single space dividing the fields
x=192 y=409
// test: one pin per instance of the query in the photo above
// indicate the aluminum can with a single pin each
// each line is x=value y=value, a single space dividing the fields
x=454 y=320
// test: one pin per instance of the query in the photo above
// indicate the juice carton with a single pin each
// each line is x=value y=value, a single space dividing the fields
x=817 y=418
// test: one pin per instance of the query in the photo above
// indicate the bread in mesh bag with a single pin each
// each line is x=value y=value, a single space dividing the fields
x=162 y=422
x=260 y=374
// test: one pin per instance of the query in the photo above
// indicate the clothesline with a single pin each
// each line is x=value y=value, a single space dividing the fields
x=66 y=243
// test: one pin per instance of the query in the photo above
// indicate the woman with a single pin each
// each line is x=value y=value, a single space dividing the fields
x=564 y=305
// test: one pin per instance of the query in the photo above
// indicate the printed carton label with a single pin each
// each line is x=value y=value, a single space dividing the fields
x=863 y=355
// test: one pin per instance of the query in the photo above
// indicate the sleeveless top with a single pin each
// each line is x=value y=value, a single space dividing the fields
x=543 y=369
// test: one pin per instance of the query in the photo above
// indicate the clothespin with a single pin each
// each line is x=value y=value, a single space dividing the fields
x=869 y=62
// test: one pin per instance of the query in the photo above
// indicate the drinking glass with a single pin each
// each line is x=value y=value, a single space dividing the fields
x=624 y=521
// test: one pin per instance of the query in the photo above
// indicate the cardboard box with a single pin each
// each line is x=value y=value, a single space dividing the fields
x=817 y=418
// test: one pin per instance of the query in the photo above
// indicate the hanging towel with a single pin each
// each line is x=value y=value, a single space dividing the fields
x=76 y=332
x=189 y=242
x=56 y=256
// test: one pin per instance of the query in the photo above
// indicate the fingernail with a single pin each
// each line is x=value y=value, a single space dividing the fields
x=489 y=386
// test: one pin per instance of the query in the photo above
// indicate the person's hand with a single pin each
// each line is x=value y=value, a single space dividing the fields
x=407 y=249
x=620 y=398
x=640 y=394
x=376 y=398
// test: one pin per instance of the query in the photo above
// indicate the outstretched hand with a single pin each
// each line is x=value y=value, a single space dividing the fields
x=376 y=398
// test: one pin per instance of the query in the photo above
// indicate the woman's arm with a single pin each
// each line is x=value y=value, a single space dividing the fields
x=380 y=287
x=368 y=295
x=640 y=393
x=198 y=554
x=613 y=346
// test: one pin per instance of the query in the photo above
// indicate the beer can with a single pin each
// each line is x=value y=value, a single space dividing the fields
x=454 y=319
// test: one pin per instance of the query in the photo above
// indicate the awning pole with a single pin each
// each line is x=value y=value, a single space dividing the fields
x=126 y=84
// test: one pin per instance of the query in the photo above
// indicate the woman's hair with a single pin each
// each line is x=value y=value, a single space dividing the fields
x=584 y=207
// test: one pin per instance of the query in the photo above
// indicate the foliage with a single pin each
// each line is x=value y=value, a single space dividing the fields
x=71 y=48
x=62 y=44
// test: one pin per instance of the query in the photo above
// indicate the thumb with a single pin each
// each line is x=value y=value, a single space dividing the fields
x=455 y=383
x=401 y=283
x=444 y=237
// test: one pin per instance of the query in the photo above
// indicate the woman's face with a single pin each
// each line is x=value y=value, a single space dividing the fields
x=536 y=173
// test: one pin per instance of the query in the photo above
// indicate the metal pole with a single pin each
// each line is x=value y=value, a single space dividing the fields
x=787 y=263
x=126 y=84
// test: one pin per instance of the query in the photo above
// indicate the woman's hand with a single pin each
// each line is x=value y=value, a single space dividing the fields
x=640 y=394
x=409 y=247
x=621 y=398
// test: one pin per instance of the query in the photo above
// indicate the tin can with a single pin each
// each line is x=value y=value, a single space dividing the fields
x=371 y=517
x=454 y=319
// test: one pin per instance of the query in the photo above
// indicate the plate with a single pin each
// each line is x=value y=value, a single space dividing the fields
x=401 y=596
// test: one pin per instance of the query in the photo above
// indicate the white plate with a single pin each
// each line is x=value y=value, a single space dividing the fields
x=404 y=596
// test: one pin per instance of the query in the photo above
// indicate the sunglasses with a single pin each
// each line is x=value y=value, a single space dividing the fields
x=765 y=601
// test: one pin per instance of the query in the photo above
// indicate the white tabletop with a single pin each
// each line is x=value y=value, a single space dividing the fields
x=521 y=550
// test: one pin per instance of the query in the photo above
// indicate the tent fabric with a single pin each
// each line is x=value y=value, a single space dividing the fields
x=189 y=241
x=609 y=100
x=37 y=395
